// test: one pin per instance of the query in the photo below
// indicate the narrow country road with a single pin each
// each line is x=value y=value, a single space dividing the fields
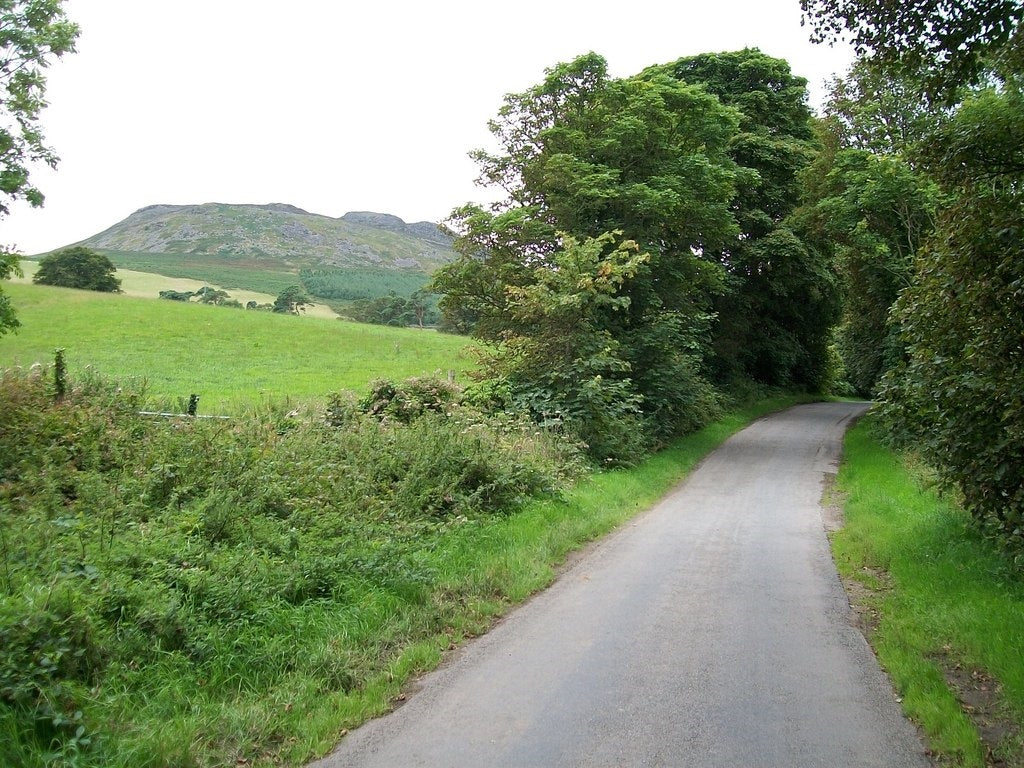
x=710 y=631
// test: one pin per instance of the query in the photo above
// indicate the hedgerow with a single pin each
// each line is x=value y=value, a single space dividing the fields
x=212 y=546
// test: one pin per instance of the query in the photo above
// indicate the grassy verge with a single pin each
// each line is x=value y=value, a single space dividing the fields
x=485 y=570
x=946 y=612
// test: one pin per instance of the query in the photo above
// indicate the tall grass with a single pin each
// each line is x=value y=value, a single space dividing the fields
x=947 y=601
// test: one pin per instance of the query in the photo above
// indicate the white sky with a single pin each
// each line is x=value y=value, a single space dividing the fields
x=330 y=105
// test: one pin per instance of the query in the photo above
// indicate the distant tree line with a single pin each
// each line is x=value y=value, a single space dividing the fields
x=291 y=300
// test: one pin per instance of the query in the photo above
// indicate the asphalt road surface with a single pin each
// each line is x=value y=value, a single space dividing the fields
x=710 y=631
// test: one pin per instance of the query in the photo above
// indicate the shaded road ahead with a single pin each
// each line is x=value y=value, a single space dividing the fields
x=711 y=631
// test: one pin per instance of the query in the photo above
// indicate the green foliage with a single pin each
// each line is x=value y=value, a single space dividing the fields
x=204 y=554
x=585 y=155
x=8 y=267
x=32 y=34
x=781 y=301
x=290 y=301
x=559 y=365
x=881 y=112
x=958 y=397
x=418 y=309
x=872 y=213
x=360 y=284
x=208 y=295
x=408 y=400
x=177 y=295
x=78 y=267
x=951 y=48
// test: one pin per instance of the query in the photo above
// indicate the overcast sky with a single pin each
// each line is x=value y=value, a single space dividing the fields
x=334 y=106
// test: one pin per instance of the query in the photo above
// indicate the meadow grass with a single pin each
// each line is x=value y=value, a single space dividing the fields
x=232 y=274
x=147 y=285
x=949 y=606
x=229 y=357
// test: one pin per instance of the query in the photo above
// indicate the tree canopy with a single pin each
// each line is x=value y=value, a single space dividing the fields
x=774 y=321
x=936 y=226
x=290 y=301
x=78 y=267
x=951 y=46
x=32 y=33
x=679 y=181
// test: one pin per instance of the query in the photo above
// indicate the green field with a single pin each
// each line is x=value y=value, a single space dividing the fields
x=229 y=357
x=237 y=273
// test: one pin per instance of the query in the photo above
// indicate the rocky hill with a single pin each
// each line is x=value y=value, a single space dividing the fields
x=278 y=234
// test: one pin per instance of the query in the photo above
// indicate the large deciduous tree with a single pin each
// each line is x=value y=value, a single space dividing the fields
x=872 y=213
x=32 y=33
x=78 y=267
x=956 y=396
x=880 y=111
x=582 y=155
x=959 y=397
x=774 y=321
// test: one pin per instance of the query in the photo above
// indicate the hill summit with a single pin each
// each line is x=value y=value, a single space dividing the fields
x=277 y=232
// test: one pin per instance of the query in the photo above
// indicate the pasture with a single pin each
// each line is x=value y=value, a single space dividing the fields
x=147 y=285
x=231 y=358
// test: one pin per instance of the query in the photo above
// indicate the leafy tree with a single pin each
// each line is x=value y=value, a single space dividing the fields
x=584 y=154
x=8 y=318
x=32 y=32
x=775 y=319
x=872 y=213
x=78 y=267
x=177 y=295
x=958 y=397
x=953 y=45
x=208 y=295
x=419 y=308
x=880 y=111
x=290 y=301
x=558 y=362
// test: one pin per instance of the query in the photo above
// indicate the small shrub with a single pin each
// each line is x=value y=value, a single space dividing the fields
x=406 y=401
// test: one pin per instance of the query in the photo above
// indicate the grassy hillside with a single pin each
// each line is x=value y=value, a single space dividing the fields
x=147 y=285
x=229 y=357
x=277 y=233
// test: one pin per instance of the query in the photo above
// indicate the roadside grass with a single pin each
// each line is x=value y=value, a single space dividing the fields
x=231 y=358
x=208 y=594
x=950 y=609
